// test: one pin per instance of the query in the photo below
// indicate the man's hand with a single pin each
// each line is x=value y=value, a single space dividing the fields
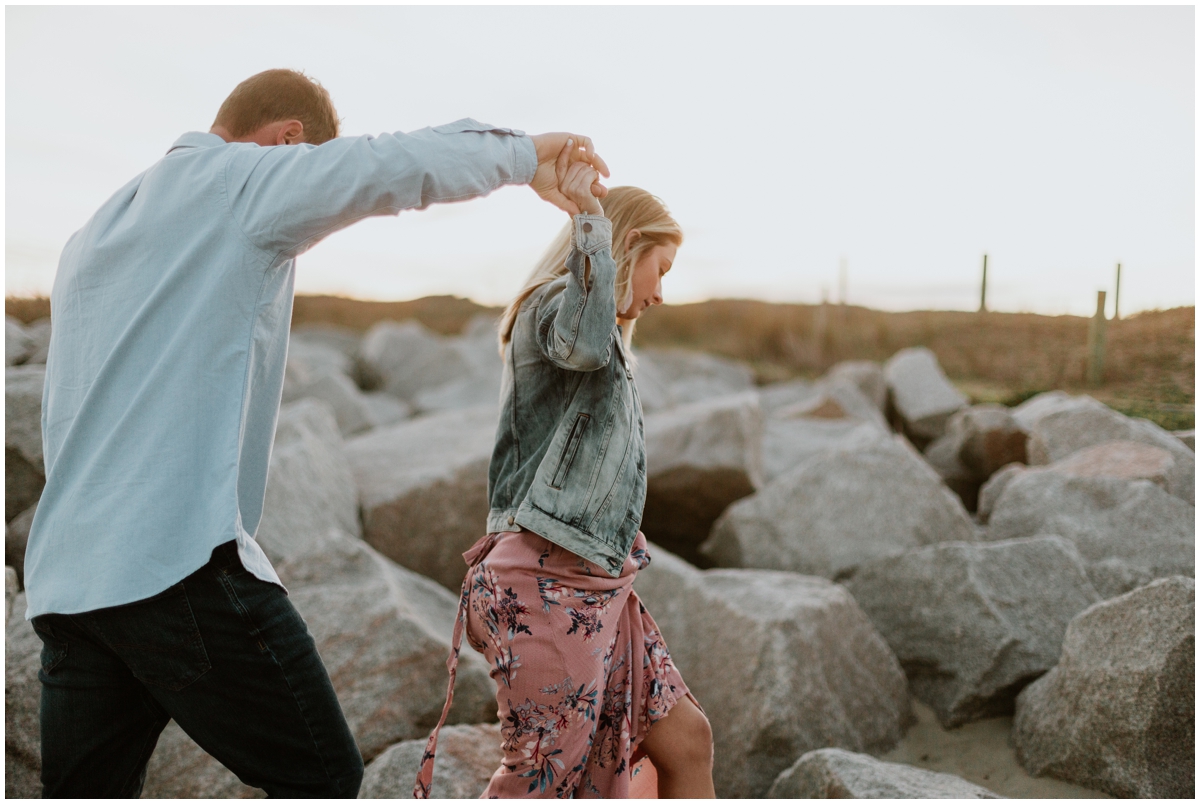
x=576 y=181
x=550 y=148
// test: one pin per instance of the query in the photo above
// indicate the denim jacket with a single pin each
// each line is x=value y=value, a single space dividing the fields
x=569 y=462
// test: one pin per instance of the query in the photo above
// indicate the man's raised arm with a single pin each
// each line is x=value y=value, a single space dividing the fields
x=289 y=197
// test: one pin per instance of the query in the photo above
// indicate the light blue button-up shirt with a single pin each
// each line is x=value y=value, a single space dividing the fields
x=171 y=312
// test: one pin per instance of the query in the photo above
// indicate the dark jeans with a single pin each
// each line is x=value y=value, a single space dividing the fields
x=226 y=656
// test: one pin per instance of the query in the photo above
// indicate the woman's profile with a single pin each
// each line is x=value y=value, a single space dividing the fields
x=585 y=683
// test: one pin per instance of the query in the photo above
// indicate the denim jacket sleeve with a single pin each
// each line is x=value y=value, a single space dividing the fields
x=575 y=325
x=289 y=197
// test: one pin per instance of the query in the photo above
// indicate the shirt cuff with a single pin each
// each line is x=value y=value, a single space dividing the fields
x=592 y=233
x=526 y=162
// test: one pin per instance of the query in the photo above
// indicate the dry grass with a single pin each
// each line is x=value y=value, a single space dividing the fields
x=1150 y=363
x=1004 y=357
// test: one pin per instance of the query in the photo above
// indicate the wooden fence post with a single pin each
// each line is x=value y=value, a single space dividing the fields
x=821 y=328
x=1095 y=363
x=983 y=288
x=1117 y=296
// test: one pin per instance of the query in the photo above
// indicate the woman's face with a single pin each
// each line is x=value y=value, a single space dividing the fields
x=647 y=279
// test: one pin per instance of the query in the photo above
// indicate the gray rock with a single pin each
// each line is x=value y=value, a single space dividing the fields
x=1082 y=422
x=410 y=358
x=1127 y=460
x=834 y=399
x=39 y=334
x=1188 y=437
x=16 y=537
x=669 y=377
x=423 y=489
x=343 y=339
x=867 y=375
x=990 y=491
x=384 y=409
x=1129 y=532
x=978 y=441
x=806 y=418
x=700 y=458
x=467 y=756
x=11 y=590
x=310 y=488
x=836 y=773
x=1118 y=712
x=920 y=394
x=24 y=470
x=789 y=442
x=22 y=696
x=479 y=348
x=943 y=456
x=1034 y=409
x=472 y=390
x=782 y=664
x=837 y=510
x=317 y=354
x=384 y=635
x=17 y=343
x=780 y=395
x=991 y=438
x=179 y=768
x=972 y=624
x=349 y=404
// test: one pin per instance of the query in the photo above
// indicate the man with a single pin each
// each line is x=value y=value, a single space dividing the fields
x=171 y=311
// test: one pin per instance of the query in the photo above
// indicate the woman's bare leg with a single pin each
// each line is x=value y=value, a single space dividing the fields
x=680 y=746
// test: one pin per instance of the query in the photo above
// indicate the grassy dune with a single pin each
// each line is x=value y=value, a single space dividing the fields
x=1006 y=357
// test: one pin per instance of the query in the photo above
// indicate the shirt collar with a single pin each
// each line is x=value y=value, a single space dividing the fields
x=197 y=139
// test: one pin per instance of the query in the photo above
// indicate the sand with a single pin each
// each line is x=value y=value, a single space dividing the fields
x=980 y=753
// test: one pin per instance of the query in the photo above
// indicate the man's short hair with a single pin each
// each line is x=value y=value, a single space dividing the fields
x=275 y=95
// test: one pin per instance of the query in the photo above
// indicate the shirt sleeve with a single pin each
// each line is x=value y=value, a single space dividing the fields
x=288 y=197
x=575 y=325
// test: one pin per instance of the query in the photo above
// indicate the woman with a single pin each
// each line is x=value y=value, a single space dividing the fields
x=584 y=679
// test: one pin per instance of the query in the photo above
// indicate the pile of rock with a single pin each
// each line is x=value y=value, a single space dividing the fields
x=26 y=344
x=816 y=561
x=783 y=664
x=837 y=773
x=1118 y=711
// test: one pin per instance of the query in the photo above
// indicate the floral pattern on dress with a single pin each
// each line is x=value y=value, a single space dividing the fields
x=594 y=671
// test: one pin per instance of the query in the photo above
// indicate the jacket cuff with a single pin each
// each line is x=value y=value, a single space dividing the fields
x=592 y=233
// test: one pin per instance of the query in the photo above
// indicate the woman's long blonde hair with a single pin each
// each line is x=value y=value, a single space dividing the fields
x=628 y=208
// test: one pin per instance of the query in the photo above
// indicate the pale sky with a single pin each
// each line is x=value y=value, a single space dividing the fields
x=908 y=141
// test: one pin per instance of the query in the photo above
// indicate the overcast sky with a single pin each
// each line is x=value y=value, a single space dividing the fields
x=907 y=141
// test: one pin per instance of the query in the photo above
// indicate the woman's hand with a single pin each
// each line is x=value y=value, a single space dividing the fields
x=550 y=148
x=579 y=182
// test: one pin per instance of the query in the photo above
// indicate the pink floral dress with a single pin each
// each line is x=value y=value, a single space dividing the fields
x=581 y=669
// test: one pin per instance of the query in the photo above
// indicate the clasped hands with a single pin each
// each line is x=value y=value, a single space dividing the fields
x=568 y=173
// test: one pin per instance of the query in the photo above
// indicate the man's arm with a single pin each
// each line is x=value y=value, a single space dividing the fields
x=289 y=197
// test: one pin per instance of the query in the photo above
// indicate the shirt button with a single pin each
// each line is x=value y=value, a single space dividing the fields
x=587 y=227
x=512 y=519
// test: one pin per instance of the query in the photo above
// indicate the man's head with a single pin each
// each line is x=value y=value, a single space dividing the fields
x=277 y=107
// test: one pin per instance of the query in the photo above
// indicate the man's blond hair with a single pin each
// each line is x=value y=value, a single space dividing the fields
x=274 y=95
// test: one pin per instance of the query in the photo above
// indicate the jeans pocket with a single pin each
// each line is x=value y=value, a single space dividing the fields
x=54 y=649
x=157 y=638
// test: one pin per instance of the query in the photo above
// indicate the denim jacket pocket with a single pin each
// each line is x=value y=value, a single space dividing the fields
x=569 y=449
x=157 y=638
